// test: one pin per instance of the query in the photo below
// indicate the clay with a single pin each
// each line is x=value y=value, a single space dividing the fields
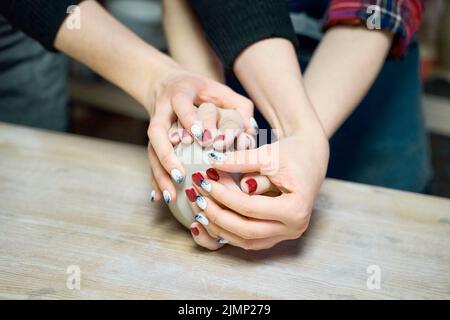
x=194 y=158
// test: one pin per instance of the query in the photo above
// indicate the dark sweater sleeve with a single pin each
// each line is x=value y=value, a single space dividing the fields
x=233 y=25
x=39 y=19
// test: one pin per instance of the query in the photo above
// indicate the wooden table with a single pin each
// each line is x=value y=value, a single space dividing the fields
x=74 y=201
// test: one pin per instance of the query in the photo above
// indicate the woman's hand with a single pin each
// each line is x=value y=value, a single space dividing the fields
x=175 y=96
x=296 y=166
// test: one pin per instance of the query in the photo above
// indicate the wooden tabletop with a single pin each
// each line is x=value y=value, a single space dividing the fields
x=70 y=203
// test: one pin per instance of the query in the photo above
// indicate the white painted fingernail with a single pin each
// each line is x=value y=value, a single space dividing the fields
x=222 y=241
x=217 y=156
x=153 y=195
x=201 y=219
x=177 y=176
x=197 y=132
x=206 y=185
x=254 y=124
x=167 y=197
x=201 y=202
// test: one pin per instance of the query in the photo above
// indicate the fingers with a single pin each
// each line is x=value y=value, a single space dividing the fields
x=243 y=227
x=161 y=178
x=186 y=137
x=202 y=238
x=230 y=126
x=245 y=141
x=156 y=193
x=241 y=161
x=184 y=108
x=254 y=206
x=164 y=151
x=174 y=134
x=224 y=97
x=264 y=159
x=207 y=113
x=212 y=236
x=257 y=184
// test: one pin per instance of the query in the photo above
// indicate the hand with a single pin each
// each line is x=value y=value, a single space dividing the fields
x=175 y=96
x=260 y=221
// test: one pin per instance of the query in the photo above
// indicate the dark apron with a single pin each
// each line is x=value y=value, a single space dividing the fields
x=33 y=82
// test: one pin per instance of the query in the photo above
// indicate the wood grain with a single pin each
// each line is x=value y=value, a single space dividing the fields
x=68 y=200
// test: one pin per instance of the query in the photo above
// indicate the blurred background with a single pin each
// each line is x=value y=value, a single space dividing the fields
x=98 y=109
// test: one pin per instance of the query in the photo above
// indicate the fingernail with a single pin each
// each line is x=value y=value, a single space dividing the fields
x=195 y=231
x=191 y=194
x=220 y=137
x=254 y=124
x=251 y=185
x=217 y=156
x=207 y=136
x=200 y=181
x=166 y=196
x=201 y=202
x=174 y=135
x=201 y=219
x=197 y=131
x=152 y=196
x=177 y=176
x=186 y=137
x=212 y=174
x=222 y=241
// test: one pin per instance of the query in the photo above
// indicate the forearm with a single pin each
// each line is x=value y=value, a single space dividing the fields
x=186 y=41
x=270 y=73
x=114 y=52
x=342 y=70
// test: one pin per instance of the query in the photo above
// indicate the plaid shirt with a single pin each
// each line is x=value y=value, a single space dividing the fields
x=401 y=17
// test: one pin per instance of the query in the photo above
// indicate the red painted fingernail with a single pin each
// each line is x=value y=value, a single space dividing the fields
x=186 y=133
x=195 y=231
x=212 y=174
x=207 y=136
x=220 y=137
x=251 y=184
x=191 y=193
x=197 y=177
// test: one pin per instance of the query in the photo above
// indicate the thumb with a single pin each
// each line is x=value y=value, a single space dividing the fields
x=242 y=161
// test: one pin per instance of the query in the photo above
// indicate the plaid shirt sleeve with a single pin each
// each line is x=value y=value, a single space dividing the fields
x=401 y=17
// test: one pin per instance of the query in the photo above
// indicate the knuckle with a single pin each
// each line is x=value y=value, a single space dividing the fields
x=166 y=158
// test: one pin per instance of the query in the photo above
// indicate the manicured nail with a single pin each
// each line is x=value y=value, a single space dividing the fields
x=166 y=196
x=186 y=137
x=195 y=231
x=254 y=124
x=222 y=241
x=201 y=219
x=174 y=135
x=200 y=181
x=220 y=137
x=201 y=202
x=251 y=185
x=207 y=136
x=212 y=174
x=191 y=194
x=197 y=131
x=153 y=195
x=177 y=176
x=217 y=156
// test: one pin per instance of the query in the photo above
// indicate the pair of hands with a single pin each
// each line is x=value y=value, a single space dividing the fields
x=275 y=198
x=174 y=99
x=292 y=168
